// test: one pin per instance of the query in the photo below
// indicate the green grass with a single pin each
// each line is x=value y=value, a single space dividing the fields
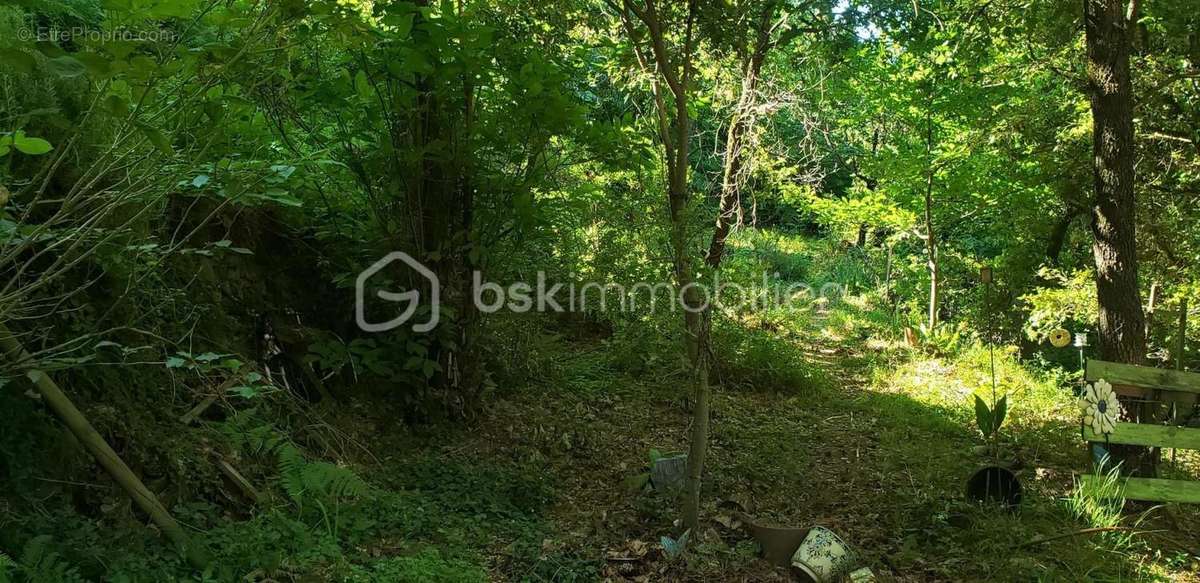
x=920 y=404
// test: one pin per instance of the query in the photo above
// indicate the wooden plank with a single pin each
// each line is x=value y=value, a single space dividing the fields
x=1149 y=435
x=197 y=410
x=1157 y=490
x=1143 y=376
x=238 y=479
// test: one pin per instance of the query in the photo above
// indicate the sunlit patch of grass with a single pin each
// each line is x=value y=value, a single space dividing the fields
x=1034 y=397
x=877 y=344
x=832 y=334
x=763 y=359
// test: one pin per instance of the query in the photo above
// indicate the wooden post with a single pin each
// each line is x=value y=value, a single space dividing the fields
x=75 y=421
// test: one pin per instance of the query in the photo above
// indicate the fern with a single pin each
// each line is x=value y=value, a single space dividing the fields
x=321 y=481
x=291 y=471
x=248 y=432
x=301 y=479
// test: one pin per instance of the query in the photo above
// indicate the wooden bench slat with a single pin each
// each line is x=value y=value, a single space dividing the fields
x=1143 y=376
x=1157 y=489
x=1149 y=435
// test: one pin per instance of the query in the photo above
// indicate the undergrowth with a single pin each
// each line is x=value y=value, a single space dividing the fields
x=801 y=391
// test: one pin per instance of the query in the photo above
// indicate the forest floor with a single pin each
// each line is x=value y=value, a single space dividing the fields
x=877 y=449
x=819 y=417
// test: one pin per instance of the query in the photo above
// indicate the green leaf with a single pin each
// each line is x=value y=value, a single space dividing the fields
x=171 y=9
x=983 y=416
x=96 y=64
x=401 y=23
x=244 y=391
x=1000 y=413
x=176 y=362
x=362 y=85
x=66 y=67
x=143 y=66
x=282 y=197
x=156 y=138
x=200 y=181
x=227 y=245
x=31 y=146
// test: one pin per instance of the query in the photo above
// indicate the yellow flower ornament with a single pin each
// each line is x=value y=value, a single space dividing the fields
x=1059 y=338
x=1099 y=407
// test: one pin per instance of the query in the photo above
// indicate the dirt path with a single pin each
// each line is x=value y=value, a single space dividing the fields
x=881 y=468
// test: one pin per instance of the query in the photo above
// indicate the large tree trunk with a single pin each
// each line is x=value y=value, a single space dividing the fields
x=1122 y=327
x=439 y=214
x=1122 y=321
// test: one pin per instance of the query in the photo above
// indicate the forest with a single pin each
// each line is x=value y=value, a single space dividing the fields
x=426 y=291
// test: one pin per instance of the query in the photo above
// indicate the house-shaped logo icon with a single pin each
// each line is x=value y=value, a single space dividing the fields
x=411 y=298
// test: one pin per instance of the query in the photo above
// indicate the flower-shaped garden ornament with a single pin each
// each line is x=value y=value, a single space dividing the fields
x=1060 y=338
x=1099 y=407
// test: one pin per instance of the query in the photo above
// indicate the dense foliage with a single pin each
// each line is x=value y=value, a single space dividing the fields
x=189 y=190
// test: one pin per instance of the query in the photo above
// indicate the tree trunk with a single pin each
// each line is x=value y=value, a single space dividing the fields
x=930 y=234
x=931 y=248
x=440 y=212
x=1122 y=326
x=740 y=125
x=1122 y=321
x=674 y=129
x=1058 y=236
